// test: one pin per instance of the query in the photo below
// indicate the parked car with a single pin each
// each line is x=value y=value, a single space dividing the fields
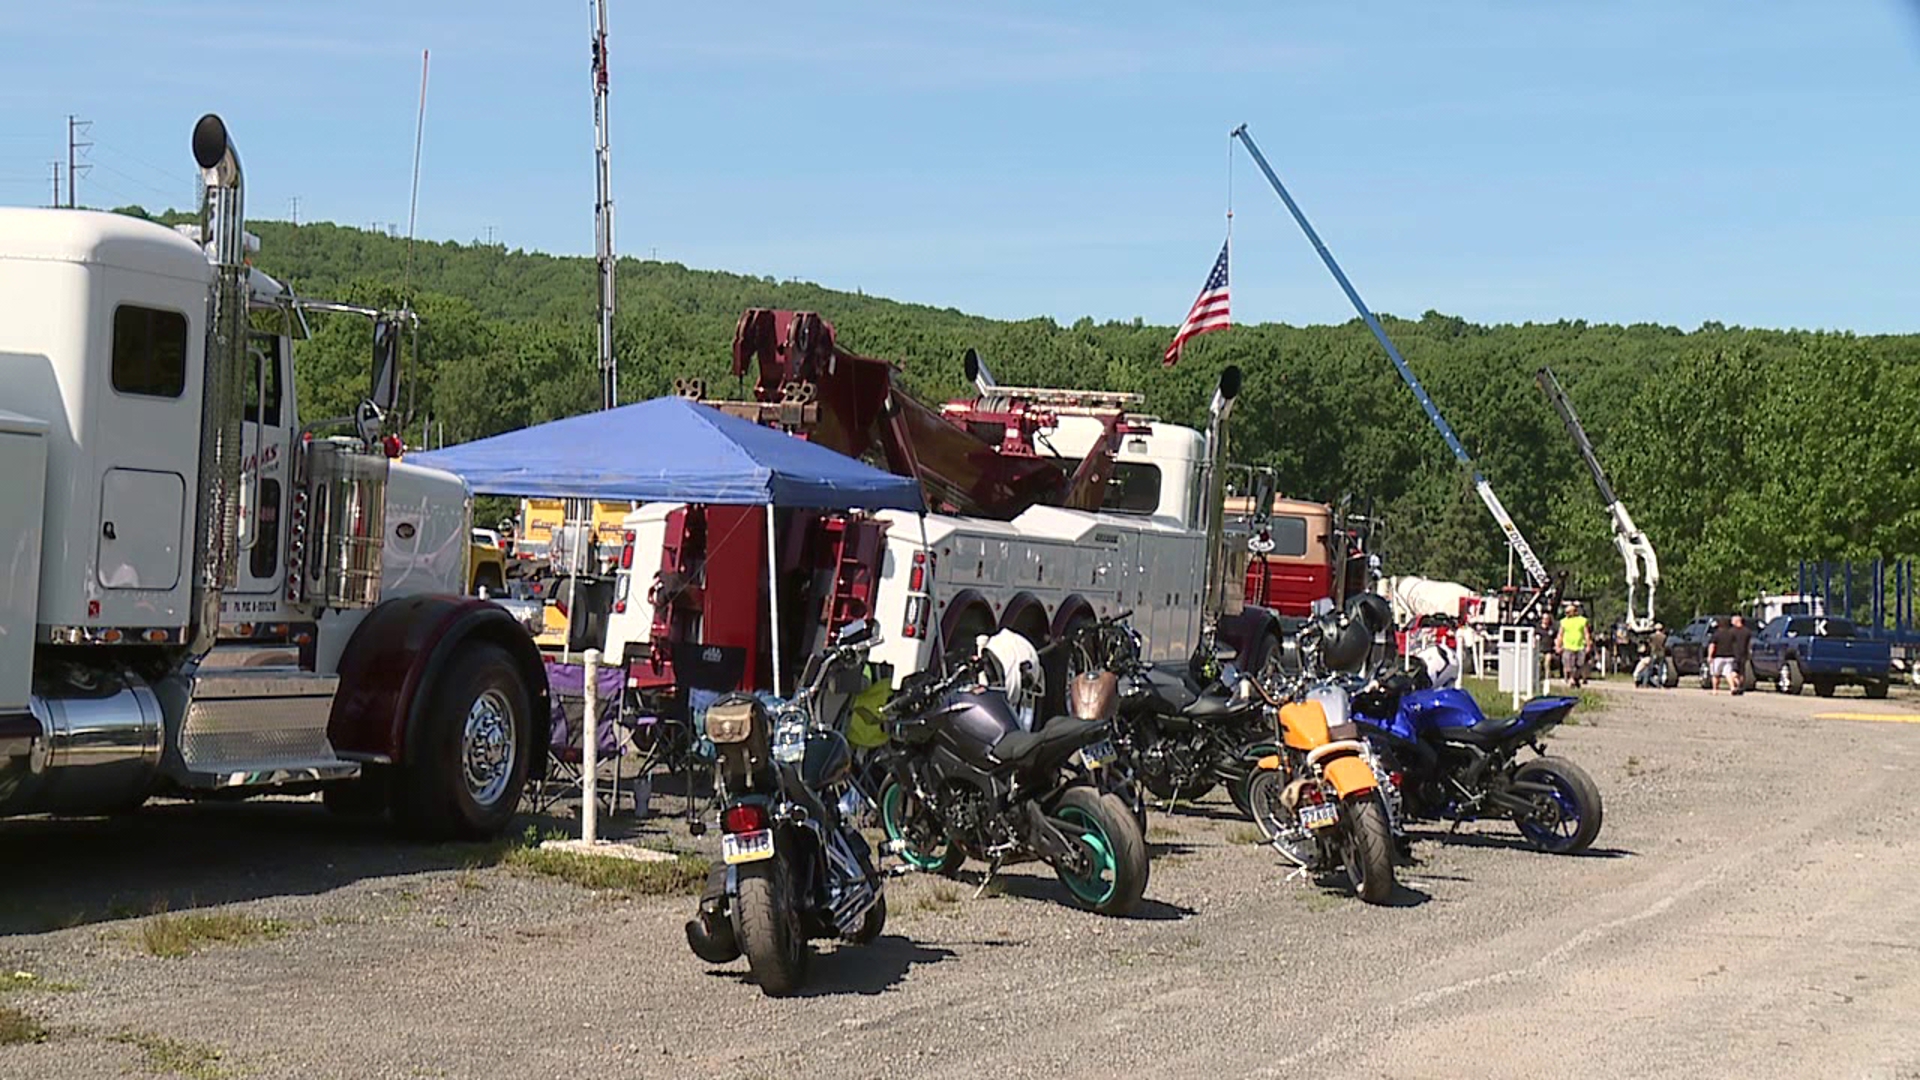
x=1794 y=651
x=1687 y=649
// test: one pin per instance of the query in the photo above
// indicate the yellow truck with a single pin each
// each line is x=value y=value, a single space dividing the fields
x=533 y=540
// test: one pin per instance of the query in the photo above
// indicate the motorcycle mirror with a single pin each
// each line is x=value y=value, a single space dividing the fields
x=859 y=632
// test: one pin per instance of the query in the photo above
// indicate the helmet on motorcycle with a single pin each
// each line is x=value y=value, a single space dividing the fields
x=1372 y=610
x=1344 y=643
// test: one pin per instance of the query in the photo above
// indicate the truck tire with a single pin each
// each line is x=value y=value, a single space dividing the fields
x=1875 y=688
x=1790 y=680
x=467 y=765
x=1823 y=687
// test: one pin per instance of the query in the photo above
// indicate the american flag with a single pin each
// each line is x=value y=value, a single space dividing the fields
x=1209 y=312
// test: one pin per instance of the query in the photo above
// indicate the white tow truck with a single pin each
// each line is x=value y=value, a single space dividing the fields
x=206 y=593
x=1138 y=537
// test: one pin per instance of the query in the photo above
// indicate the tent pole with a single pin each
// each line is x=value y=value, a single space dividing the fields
x=773 y=597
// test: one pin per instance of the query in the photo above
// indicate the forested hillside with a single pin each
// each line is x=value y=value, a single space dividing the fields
x=1737 y=450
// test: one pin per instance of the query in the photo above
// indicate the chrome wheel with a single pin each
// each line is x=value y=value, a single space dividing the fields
x=487 y=747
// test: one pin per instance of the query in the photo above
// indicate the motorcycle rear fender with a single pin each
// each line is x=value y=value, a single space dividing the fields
x=1349 y=776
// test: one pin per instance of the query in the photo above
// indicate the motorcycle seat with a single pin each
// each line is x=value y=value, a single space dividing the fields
x=1489 y=730
x=1211 y=707
x=1061 y=737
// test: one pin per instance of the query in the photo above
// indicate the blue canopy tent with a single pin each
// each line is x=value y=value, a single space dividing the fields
x=671 y=450
x=675 y=450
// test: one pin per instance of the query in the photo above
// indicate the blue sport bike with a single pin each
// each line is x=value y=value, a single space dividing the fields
x=1454 y=763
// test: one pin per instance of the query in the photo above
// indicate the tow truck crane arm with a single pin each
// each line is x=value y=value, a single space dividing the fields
x=1643 y=567
x=1536 y=570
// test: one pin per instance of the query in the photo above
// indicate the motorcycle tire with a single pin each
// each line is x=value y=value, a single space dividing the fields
x=1577 y=798
x=1105 y=825
x=1369 y=849
x=1263 y=802
x=768 y=930
x=944 y=860
x=874 y=924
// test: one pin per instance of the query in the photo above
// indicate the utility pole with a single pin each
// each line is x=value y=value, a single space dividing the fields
x=489 y=236
x=293 y=208
x=75 y=126
x=56 y=185
x=603 y=210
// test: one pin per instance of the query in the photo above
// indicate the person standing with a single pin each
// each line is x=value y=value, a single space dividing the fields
x=1574 y=639
x=1723 y=656
x=1742 y=653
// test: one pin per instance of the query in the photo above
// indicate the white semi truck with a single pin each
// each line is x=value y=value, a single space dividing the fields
x=203 y=592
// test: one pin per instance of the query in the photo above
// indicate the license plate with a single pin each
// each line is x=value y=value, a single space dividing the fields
x=1098 y=755
x=747 y=846
x=1319 y=817
x=1849 y=671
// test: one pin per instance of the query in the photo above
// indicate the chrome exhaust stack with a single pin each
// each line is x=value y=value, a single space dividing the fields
x=1224 y=594
x=223 y=396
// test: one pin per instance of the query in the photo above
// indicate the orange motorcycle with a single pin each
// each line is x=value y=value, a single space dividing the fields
x=1318 y=801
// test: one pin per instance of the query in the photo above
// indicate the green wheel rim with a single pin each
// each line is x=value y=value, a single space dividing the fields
x=892 y=810
x=1098 y=888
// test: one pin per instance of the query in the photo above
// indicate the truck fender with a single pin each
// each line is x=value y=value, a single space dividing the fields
x=1027 y=616
x=966 y=604
x=1074 y=609
x=1248 y=633
x=394 y=657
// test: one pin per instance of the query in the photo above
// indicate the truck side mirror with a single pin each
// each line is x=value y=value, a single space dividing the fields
x=386 y=364
x=1262 y=494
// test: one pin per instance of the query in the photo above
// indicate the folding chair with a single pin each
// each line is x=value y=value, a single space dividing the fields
x=565 y=776
x=702 y=673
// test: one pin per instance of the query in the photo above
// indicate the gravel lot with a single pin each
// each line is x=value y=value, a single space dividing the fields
x=1752 y=909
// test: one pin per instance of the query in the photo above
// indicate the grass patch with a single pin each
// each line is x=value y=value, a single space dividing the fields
x=27 y=980
x=684 y=875
x=1163 y=832
x=18 y=1027
x=174 y=936
x=1492 y=701
x=939 y=896
x=1245 y=834
x=175 y=1057
x=468 y=881
x=1320 y=900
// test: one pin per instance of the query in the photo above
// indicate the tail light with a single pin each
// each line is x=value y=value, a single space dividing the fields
x=743 y=818
x=626 y=553
x=622 y=586
x=1395 y=778
x=916 y=620
x=917 y=577
x=1316 y=794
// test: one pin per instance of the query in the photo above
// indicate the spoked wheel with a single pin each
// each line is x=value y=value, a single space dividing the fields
x=1368 y=851
x=922 y=842
x=1269 y=814
x=768 y=928
x=1117 y=874
x=1567 y=816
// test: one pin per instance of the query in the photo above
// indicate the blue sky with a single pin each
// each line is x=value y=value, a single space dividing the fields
x=1615 y=160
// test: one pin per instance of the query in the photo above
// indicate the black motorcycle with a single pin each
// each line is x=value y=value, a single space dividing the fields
x=1181 y=730
x=793 y=867
x=965 y=780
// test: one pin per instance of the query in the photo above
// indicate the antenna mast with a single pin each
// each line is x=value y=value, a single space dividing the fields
x=603 y=209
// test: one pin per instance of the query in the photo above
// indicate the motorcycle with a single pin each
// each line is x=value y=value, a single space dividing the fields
x=1456 y=763
x=1324 y=800
x=1179 y=735
x=793 y=867
x=965 y=780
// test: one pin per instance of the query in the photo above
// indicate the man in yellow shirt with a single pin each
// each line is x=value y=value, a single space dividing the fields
x=1573 y=641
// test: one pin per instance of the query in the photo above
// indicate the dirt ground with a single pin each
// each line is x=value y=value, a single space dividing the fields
x=1752 y=909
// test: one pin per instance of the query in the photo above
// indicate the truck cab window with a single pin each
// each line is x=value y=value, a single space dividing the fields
x=1289 y=533
x=149 y=351
x=264 y=348
x=265 y=560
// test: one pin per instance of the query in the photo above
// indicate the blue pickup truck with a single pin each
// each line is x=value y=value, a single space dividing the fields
x=1795 y=651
